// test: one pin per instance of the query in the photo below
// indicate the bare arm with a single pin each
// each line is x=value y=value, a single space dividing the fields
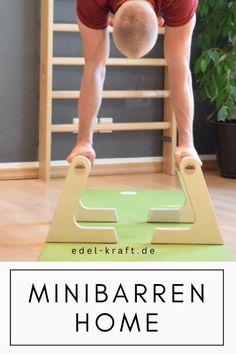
x=177 y=53
x=96 y=52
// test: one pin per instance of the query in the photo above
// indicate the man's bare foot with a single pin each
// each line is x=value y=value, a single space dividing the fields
x=82 y=149
x=184 y=151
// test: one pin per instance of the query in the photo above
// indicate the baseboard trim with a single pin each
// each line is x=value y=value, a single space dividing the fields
x=209 y=165
x=114 y=169
x=103 y=167
x=14 y=173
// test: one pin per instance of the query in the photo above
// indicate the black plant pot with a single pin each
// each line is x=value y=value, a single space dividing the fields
x=226 y=148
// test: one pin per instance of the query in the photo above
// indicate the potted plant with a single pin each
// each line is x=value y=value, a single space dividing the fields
x=215 y=70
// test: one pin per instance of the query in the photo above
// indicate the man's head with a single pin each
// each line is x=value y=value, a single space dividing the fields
x=135 y=28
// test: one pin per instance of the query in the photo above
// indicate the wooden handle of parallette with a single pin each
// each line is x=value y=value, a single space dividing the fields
x=188 y=164
x=81 y=163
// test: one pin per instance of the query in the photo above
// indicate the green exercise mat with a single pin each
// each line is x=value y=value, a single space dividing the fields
x=133 y=231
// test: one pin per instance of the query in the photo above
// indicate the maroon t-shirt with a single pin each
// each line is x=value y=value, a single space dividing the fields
x=94 y=13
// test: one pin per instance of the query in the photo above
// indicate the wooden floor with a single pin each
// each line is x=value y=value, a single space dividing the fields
x=27 y=207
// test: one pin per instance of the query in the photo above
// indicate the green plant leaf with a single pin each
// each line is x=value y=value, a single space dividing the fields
x=203 y=65
x=233 y=92
x=197 y=67
x=214 y=55
x=222 y=58
x=222 y=114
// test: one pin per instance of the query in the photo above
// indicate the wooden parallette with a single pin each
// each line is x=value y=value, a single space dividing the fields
x=197 y=211
x=70 y=211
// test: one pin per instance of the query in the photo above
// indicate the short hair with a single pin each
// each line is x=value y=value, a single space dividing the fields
x=135 y=28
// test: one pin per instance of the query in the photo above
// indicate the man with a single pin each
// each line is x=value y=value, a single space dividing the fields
x=135 y=32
